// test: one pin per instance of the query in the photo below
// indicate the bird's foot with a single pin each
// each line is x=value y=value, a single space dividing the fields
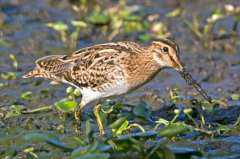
x=96 y=112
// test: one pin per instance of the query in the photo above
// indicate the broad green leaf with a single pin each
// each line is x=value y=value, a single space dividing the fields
x=133 y=18
x=176 y=12
x=133 y=26
x=4 y=43
x=8 y=75
x=116 y=124
x=173 y=129
x=15 y=110
x=80 y=151
x=144 y=37
x=216 y=15
x=58 y=26
x=66 y=105
x=122 y=128
x=99 y=18
x=88 y=127
x=80 y=24
x=14 y=60
x=235 y=97
x=94 y=148
x=51 y=139
x=38 y=137
x=142 y=111
x=26 y=95
x=161 y=151
x=144 y=135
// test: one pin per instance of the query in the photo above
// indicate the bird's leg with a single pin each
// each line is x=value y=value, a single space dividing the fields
x=99 y=122
x=77 y=115
x=78 y=111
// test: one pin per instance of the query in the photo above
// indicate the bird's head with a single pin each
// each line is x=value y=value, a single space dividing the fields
x=166 y=54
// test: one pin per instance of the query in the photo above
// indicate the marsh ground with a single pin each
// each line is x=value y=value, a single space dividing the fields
x=208 y=34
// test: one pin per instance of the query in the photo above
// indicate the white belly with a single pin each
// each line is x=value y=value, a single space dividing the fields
x=89 y=95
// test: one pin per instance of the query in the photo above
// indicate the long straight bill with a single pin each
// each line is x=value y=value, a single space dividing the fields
x=190 y=81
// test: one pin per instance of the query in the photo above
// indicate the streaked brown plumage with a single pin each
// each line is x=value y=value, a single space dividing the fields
x=110 y=69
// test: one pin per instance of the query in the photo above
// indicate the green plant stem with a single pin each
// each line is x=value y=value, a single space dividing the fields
x=38 y=110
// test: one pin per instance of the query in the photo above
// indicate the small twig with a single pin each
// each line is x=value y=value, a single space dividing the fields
x=38 y=110
x=204 y=131
x=137 y=126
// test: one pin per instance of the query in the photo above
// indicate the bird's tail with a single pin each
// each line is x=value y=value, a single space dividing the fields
x=53 y=64
x=49 y=67
x=34 y=73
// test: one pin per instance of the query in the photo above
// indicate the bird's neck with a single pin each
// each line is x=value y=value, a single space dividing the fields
x=140 y=75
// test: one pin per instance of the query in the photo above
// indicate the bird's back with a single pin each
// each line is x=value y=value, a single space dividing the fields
x=99 y=67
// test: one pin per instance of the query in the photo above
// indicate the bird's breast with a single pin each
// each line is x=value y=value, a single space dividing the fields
x=139 y=72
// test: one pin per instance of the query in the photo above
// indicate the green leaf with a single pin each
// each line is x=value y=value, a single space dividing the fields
x=144 y=37
x=79 y=24
x=80 y=151
x=122 y=128
x=116 y=124
x=88 y=127
x=66 y=105
x=216 y=15
x=4 y=43
x=15 y=110
x=14 y=60
x=94 y=150
x=51 y=139
x=173 y=129
x=167 y=153
x=133 y=18
x=58 y=26
x=176 y=12
x=133 y=26
x=38 y=137
x=142 y=110
x=8 y=75
x=235 y=97
x=26 y=95
x=99 y=18
x=143 y=135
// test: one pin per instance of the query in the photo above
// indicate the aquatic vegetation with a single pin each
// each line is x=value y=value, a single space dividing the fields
x=205 y=33
x=61 y=28
x=165 y=119
x=66 y=105
x=70 y=39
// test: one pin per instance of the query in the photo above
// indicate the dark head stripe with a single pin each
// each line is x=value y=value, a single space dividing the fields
x=171 y=43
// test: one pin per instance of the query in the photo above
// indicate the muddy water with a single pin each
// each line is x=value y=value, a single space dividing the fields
x=23 y=33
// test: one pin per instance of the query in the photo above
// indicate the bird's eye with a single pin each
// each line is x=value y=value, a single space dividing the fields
x=165 y=49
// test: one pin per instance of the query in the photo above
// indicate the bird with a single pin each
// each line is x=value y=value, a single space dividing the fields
x=111 y=69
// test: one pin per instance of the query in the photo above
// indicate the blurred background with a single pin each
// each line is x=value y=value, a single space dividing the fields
x=207 y=32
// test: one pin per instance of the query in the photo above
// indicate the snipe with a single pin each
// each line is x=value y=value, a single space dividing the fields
x=111 y=69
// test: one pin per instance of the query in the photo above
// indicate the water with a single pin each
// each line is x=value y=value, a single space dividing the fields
x=23 y=33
